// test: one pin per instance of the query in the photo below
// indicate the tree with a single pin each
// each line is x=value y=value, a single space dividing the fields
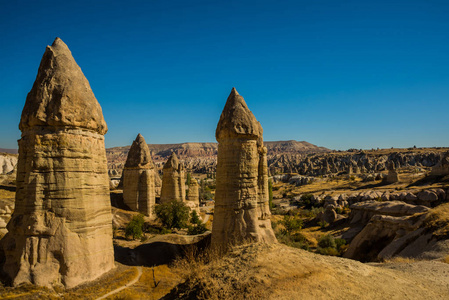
x=270 y=194
x=135 y=227
x=173 y=214
x=189 y=178
x=197 y=226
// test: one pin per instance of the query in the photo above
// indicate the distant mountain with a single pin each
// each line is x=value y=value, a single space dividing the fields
x=293 y=147
x=163 y=151
x=11 y=151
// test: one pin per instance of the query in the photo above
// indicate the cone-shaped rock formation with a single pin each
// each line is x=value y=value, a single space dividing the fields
x=241 y=198
x=138 y=178
x=193 y=198
x=60 y=231
x=173 y=185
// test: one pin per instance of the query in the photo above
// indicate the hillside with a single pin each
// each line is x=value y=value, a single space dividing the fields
x=280 y=272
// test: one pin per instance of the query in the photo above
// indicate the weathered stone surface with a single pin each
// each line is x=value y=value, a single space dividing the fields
x=363 y=211
x=60 y=231
x=173 y=184
x=241 y=198
x=392 y=176
x=384 y=237
x=441 y=168
x=138 y=178
x=193 y=198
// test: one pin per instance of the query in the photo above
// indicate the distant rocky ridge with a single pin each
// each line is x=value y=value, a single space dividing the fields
x=202 y=157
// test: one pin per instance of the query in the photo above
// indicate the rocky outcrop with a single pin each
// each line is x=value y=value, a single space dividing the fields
x=442 y=168
x=7 y=163
x=392 y=176
x=60 y=231
x=138 y=178
x=387 y=236
x=173 y=185
x=363 y=212
x=241 y=198
x=193 y=197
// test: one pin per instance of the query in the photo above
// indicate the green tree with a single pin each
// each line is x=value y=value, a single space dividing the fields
x=135 y=227
x=189 y=178
x=197 y=226
x=270 y=194
x=173 y=214
x=291 y=223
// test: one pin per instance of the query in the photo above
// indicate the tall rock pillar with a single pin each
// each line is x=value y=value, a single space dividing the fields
x=241 y=197
x=138 y=178
x=61 y=228
x=173 y=185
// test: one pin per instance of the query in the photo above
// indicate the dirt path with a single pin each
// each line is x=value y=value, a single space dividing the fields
x=139 y=274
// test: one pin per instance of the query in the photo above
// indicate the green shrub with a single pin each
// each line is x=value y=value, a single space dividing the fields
x=327 y=241
x=340 y=243
x=194 y=218
x=173 y=214
x=134 y=228
x=328 y=251
x=196 y=229
x=293 y=240
x=323 y=224
x=270 y=194
x=291 y=223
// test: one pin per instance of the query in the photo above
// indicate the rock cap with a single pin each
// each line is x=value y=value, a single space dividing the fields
x=237 y=120
x=172 y=162
x=61 y=95
x=139 y=155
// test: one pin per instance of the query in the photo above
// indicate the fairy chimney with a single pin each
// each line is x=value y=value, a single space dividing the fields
x=241 y=198
x=138 y=178
x=60 y=232
x=173 y=185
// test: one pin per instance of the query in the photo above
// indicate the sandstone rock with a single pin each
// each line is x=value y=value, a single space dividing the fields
x=364 y=211
x=442 y=168
x=173 y=185
x=7 y=163
x=329 y=215
x=392 y=176
x=384 y=237
x=138 y=178
x=193 y=198
x=60 y=231
x=241 y=198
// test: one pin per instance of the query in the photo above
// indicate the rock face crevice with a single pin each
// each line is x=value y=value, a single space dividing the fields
x=138 y=178
x=60 y=231
x=241 y=198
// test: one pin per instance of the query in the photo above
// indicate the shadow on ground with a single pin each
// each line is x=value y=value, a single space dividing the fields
x=157 y=253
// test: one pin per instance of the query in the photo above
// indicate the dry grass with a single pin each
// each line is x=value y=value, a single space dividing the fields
x=166 y=279
x=438 y=219
x=400 y=260
x=446 y=259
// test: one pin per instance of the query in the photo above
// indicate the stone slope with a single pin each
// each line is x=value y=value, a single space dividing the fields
x=277 y=271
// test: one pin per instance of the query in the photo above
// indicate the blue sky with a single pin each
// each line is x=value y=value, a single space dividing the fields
x=338 y=74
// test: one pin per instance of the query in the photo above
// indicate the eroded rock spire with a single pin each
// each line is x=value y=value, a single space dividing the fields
x=60 y=231
x=138 y=178
x=241 y=199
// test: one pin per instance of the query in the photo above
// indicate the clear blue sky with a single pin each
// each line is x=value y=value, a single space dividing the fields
x=339 y=74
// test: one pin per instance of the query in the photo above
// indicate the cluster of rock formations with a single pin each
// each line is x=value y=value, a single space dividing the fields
x=60 y=231
x=350 y=163
x=384 y=223
x=241 y=197
x=138 y=178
